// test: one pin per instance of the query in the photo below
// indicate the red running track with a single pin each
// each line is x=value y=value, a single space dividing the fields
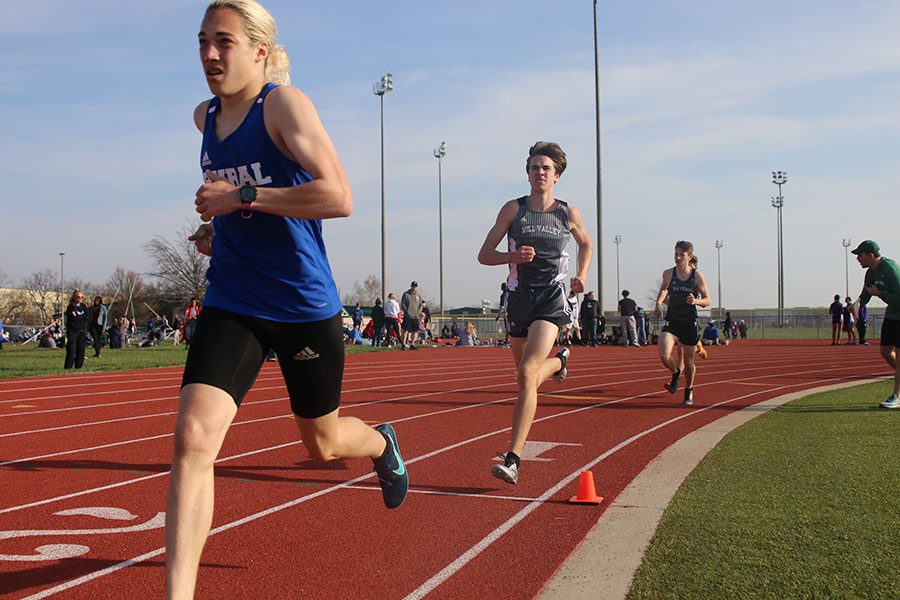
x=84 y=465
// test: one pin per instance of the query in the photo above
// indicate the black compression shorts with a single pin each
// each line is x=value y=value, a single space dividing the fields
x=228 y=351
x=524 y=307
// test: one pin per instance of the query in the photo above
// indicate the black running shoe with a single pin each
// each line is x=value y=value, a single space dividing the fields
x=390 y=469
x=688 y=396
x=508 y=471
x=563 y=356
x=672 y=386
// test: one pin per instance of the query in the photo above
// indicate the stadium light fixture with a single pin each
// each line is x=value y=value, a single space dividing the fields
x=381 y=89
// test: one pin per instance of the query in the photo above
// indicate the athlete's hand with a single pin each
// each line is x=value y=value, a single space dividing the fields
x=873 y=289
x=524 y=254
x=216 y=197
x=203 y=238
x=690 y=299
x=576 y=285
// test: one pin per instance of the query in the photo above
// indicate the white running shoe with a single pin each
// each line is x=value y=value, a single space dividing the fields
x=892 y=402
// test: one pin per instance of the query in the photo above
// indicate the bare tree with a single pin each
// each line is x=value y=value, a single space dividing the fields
x=4 y=279
x=42 y=295
x=364 y=292
x=124 y=285
x=178 y=266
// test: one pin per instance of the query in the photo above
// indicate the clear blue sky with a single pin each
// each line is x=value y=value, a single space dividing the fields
x=701 y=100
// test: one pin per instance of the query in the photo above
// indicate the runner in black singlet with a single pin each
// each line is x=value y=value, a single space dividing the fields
x=538 y=227
x=683 y=289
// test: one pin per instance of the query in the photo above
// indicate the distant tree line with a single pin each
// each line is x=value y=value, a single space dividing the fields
x=177 y=273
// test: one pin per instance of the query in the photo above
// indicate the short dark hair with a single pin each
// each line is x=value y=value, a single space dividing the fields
x=684 y=246
x=552 y=151
x=625 y=293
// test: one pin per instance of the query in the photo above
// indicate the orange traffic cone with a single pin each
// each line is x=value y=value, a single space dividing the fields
x=587 y=492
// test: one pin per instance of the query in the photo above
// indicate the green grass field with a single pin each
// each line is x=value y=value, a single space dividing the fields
x=801 y=502
x=29 y=361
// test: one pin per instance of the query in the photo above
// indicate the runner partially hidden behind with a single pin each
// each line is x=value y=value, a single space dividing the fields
x=271 y=174
x=538 y=228
x=683 y=289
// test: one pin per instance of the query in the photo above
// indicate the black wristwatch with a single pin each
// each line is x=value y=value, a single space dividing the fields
x=247 y=195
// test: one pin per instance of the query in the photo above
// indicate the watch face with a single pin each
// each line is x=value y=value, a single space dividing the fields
x=247 y=193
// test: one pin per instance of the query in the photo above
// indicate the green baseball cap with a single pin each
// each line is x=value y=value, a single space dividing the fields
x=867 y=246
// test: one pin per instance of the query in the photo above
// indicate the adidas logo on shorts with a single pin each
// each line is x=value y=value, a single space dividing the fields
x=306 y=354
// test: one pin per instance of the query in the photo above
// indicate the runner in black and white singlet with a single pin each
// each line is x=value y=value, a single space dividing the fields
x=683 y=289
x=538 y=228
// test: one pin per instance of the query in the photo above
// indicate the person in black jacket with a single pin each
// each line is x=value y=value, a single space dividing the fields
x=77 y=317
x=590 y=309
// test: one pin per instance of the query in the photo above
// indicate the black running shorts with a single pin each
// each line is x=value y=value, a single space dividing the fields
x=686 y=331
x=890 y=333
x=524 y=307
x=410 y=324
x=229 y=349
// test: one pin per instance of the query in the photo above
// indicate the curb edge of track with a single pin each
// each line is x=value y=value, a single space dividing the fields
x=603 y=565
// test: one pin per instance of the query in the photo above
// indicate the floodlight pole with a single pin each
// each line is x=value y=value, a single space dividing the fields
x=617 y=240
x=779 y=178
x=439 y=153
x=846 y=244
x=719 y=245
x=381 y=89
x=62 y=293
x=599 y=252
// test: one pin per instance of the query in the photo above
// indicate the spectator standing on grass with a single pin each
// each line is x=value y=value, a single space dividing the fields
x=588 y=313
x=99 y=317
x=742 y=329
x=377 y=322
x=627 y=325
x=836 y=310
x=862 y=324
x=726 y=326
x=357 y=317
x=883 y=280
x=640 y=324
x=2 y=335
x=269 y=282
x=77 y=317
x=849 y=321
x=411 y=307
x=391 y=319
x=189 y=317
x=538 y=228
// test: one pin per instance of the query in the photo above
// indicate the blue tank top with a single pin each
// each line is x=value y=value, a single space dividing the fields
x=266 y=266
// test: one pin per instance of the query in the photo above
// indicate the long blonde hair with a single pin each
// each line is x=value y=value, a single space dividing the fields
x=259 y=25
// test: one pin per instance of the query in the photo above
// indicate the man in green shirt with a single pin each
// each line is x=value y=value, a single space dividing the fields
x=883 y=280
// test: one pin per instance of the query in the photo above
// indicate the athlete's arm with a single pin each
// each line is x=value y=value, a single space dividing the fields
x=704 y=299
x=489 y=255
x=890 y=292
x=294 y=126
x=585 y=249
x=663 y=292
